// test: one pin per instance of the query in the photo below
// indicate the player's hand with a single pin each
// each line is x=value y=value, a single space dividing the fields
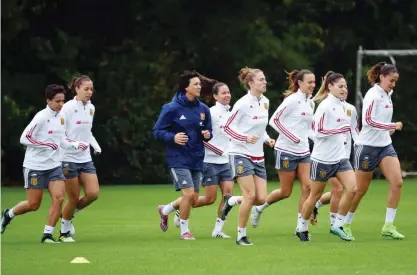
x=398 y=126
x=270 y=142
x=97 y=151
x=206 y=134
x=181 y=138
x=251 y=139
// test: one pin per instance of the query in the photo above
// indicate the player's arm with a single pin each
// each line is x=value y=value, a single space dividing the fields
x=370 y=118
x=33 y=137
x=161 y=129
x=323 y=126
x=354 y=125
x=279 y=118
x=232 y=124
x=207 y=132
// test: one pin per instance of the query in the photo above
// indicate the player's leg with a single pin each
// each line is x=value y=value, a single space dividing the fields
x=391 y=169
x=34 y=193
x=247 y=186
x=303 y=174
x=226 y=188
x=324 y=200
x=336 y=196
x=347 y=178
x=261 y=193
x=229 y=200
x=89 y=181
x=56 y=188
x=365 y=163
x=72 y=188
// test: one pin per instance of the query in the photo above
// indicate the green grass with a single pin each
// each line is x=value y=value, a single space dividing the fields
x=120 y=234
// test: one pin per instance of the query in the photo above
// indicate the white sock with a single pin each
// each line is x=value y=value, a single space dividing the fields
x=262 y=207
x=340 y=219
x=234 y=200
x=241 y=232
x=65 y=226
x=184 y=226
x=219 y=225
x=11 y=213
x=168 y=209
x=349 y=217
x=48 y=230
x=303 y=226
x=332 y=218
x=319 y=204
x=390 y=216
x=298 y=219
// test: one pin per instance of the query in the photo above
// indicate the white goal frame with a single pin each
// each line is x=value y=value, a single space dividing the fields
x=359 y=58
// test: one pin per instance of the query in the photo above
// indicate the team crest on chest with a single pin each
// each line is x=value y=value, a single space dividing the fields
x=91 y=112
x=266 y=106
x=62 y=121
x=349 y=112
x=202 y=116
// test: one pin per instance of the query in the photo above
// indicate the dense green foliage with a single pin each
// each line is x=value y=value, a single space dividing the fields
x=134 y=50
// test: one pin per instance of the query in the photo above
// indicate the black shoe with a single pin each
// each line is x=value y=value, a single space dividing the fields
x=244 y=241
x=226 y=207
x=47 y=238
x=313 y=218
x=303 y=236
x=5 y=219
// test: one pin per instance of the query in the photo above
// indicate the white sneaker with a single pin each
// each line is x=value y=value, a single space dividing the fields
x=72 y=230
x=220 y=235
x=177 y=218
x=254 y=217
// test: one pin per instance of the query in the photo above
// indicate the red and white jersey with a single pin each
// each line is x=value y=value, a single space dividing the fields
x=79 y=119
x=215 y=149
x=330 y=124
x=353 y=134
x=43 y=138
x=292 y=120
x=248 y=117
x=376 y=118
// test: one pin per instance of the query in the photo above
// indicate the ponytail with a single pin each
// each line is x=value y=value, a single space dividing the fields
x=378 y=69
x=293 y=78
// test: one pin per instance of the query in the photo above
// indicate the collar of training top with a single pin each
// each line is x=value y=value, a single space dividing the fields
x=226 y=107
x=382 y=90
x=52 y=112
x=334 y=99
x=255 y=97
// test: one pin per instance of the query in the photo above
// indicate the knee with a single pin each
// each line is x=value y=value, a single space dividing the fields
x=397 y=184
x=352 y=190
x=338 y=191
x=305 y=189
x=92 y=195
x=58 y=198
x=250 y=197
x=286 y=193
x=211 y=199
x=34 y=205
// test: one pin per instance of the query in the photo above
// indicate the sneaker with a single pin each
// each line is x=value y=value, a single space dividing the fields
x=254 y=217
x=244 y=241
x=177 y=218
x=47 y=238
x=226 y=207
x=339 y=231
x=187 y=236
x=348 y=231
x=164 y=219
x=5 y=220
x=303 y=236
x=66 y=238
x=389 y=232
x=313 y=218
x=220 y=235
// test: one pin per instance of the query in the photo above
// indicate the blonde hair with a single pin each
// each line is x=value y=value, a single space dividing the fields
x=329 y=78
x=293 y=77
x=246 y=75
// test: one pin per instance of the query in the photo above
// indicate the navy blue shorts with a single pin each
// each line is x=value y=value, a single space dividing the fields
x=185 y=178
x=322 y=172
x=367 y=158
x=287 y=162
x=73 y=169
x=38 y=179
x=214 y=173
x=243 y=166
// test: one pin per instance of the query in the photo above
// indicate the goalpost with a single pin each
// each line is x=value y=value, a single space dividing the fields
x=359 y=57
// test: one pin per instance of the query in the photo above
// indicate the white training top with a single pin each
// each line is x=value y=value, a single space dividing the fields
x=354 y=130
x=292 y=120
x=248 y=117
x=215 y=148
x=376 y=118
x=330 y=124
x=42 y=138
x=78 y=127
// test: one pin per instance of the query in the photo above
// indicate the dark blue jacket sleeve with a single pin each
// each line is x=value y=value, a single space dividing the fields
x=208 y=123
x=161 y=128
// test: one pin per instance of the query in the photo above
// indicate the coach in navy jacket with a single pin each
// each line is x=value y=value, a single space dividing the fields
x=185 y=114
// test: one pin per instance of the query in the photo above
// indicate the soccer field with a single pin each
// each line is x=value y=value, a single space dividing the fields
x=119 y=234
